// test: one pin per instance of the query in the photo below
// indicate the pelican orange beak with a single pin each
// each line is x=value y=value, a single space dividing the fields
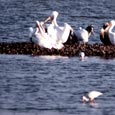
x=50 y=18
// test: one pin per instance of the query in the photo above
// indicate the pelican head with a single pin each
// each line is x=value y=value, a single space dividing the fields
x=90 y=29
x=112 y=22
x=91 y=96
x=54 y=14
x=52 y=17
x=105 y=25
x=85 y=99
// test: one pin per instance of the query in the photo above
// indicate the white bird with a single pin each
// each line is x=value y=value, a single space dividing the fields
x=82 y=55
x=42 y=38
x=84 y=34
x=57 y=32
x=111 y=33
x=91 y=96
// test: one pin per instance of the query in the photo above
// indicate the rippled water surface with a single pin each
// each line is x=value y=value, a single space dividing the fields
x=54 y=85
x=16 y=16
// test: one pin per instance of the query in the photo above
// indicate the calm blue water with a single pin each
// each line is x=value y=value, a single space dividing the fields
x=54 y=85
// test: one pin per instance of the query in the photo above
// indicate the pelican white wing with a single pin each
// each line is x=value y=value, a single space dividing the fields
x=94 y=94
x=82 y=35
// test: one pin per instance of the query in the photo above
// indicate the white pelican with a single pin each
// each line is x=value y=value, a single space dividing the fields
x=57 y=32
x=104 y=37
x=111 y=33
x=84 y=34
x=91 y=96
x=42 y=38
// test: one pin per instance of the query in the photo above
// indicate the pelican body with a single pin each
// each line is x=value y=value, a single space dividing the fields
x=40 y=36
x=59 y=33
x=84 y=34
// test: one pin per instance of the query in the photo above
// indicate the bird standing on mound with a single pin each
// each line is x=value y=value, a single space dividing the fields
x=84 y=34
x=59 y=33
x=91 y=96
x=107 y=33
x=104 y=37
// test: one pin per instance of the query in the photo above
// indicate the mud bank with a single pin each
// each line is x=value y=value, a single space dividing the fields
x=69 y=50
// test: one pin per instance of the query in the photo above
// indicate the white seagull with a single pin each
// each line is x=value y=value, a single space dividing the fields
x=91 y=96
x=84 y=34
x=82 y=56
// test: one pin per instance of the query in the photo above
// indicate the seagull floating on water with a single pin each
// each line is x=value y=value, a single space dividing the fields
x=82 y=55
x=91 y=96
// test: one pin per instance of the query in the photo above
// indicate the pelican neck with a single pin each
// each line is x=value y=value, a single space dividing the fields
x=111 y=27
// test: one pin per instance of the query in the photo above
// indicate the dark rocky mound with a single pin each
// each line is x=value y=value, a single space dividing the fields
x=69 y=50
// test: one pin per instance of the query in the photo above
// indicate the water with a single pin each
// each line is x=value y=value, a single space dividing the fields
x=46 y=84
x=16 y=16
x=54 y=85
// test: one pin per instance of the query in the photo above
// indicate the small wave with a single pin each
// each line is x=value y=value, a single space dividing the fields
x=53 y=57
x=96 y=17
